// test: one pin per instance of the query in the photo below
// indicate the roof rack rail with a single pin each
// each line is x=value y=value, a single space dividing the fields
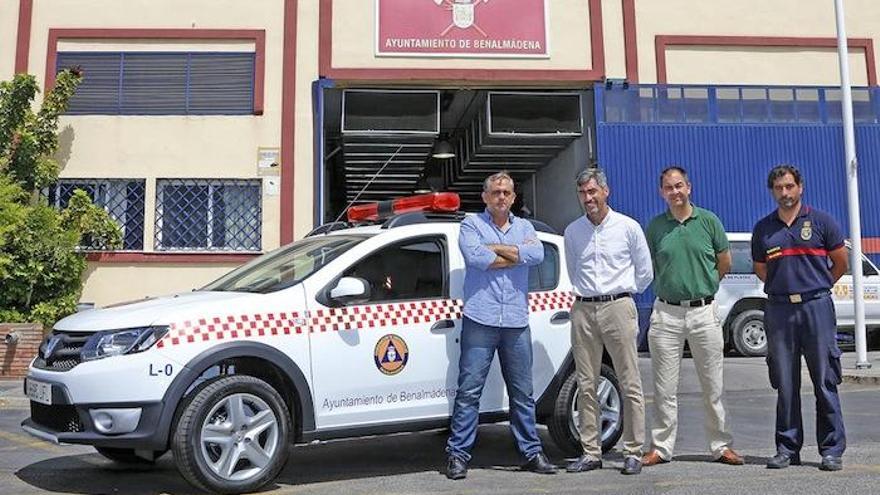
x=417 y=217
x=328 y=227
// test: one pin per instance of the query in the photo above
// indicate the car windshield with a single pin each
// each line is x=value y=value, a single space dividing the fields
x=287 y=266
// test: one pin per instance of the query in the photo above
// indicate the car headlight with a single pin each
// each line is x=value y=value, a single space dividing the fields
x=118 y=342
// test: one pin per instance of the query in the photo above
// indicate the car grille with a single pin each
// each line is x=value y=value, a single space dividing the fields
x=61 y=351
x=56 y=418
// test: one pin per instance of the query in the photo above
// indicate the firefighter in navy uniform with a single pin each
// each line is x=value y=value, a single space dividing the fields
x=791 y=249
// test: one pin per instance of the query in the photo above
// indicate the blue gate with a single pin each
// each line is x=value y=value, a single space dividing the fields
x=728 y=138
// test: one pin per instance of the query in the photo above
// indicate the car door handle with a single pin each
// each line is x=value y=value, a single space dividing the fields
x=561 y=317
x=442 y=325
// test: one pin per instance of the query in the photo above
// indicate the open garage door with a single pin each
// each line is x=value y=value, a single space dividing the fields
x=380 y=144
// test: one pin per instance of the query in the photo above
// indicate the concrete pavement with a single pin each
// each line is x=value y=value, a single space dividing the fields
x=866 y=376
x=410 y=463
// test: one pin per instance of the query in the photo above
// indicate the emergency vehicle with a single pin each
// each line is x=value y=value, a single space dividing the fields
x=741 y=300
x=350 y=331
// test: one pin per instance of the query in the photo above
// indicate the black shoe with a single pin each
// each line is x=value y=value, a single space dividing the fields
x=631 y=465
x=539 y=464
x=584 y=463
x=782 y=460
x=831 y=463
x=456 y=469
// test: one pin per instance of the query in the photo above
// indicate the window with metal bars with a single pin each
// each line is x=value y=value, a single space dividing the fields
x=162 y=83
x=208 y=214
x=123 y=199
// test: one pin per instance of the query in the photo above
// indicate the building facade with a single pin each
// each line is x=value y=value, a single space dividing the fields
x=215 y=130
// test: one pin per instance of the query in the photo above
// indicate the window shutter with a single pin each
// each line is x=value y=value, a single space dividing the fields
x=221 y=83
x=154 y=83
x=99 y=91
x=162 y=83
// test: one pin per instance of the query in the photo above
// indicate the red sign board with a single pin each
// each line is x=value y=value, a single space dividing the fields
x=462 y=28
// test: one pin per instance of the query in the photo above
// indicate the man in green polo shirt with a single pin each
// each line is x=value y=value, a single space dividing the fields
x=691 y=255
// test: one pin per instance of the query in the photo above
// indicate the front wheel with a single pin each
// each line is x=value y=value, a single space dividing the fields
x=232 y=436
x=748 y=334
x=563 y=425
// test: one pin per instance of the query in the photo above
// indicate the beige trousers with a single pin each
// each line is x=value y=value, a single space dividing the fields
x=612 y=325
x=670 y=327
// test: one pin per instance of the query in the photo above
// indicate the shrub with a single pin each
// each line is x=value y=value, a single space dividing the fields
x=41 y=266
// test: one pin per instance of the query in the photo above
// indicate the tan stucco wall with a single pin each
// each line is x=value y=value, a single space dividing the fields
x=113 y=283
x=225 y=147
x=612 y=33
x=8 y=36
x=306 y=73
x=354 y=27
x=153 y=147
x=798 y=18
x=721 y=65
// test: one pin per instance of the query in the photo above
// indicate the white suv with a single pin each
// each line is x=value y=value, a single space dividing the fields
x=346 y=333
x=741 y=299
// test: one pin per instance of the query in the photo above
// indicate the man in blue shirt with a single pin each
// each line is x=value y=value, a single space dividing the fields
x=791 y=250
x=497 y=248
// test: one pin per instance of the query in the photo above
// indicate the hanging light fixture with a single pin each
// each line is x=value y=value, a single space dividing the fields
x=442 y=150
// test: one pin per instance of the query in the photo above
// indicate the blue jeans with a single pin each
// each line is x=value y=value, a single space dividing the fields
x=478 y=346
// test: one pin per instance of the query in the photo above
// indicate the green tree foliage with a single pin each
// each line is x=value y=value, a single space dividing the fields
x=41 y=265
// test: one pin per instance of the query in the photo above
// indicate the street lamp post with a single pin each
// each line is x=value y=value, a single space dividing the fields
x=852 y=187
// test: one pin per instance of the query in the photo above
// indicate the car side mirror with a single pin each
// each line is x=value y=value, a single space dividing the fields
x=350 y=289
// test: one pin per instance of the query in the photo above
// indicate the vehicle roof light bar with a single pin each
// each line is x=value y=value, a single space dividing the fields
x=445 y=202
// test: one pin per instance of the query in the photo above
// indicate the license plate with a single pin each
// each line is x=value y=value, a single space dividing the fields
x=39 y=392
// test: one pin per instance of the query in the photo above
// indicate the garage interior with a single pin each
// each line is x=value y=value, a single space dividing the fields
x=381 y=144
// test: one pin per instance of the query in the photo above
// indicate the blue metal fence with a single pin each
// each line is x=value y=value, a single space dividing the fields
x=728 y=159
x=728 y=138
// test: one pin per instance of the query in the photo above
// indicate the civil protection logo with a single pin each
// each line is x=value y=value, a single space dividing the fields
x=391 y=354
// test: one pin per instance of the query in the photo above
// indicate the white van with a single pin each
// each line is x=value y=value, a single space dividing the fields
x=741 y=299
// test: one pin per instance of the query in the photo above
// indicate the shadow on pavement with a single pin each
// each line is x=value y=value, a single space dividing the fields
x=362 y=458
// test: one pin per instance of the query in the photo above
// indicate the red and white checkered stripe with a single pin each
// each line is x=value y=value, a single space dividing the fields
x=382 y=315
x=335 y=319
x=231 y=327
x=549 y=301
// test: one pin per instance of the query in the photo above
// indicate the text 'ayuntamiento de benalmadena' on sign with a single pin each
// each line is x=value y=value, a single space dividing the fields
x=438 y=43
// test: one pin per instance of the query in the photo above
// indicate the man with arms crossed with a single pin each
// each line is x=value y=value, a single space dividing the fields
x=607 y=260
x=498 y=249
x=691 y=254
x=791 y=250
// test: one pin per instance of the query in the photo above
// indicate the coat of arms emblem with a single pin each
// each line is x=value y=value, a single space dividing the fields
x=462 y=14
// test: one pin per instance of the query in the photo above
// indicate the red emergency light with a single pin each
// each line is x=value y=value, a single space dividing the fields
x=446 y=202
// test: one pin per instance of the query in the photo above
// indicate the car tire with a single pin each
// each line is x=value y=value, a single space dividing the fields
x=232 y=435
x=748 y=334
x=127 y=456
x=563 y=424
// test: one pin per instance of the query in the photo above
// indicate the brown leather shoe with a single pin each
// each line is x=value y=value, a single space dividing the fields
x=728 y=456
x=652 y=458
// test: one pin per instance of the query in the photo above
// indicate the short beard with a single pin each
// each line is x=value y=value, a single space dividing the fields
x=787 y=202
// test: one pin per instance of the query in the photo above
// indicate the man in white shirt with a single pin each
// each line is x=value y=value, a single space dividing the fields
x=608 y=260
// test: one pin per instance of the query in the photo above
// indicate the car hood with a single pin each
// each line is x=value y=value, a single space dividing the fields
x=157 y=311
